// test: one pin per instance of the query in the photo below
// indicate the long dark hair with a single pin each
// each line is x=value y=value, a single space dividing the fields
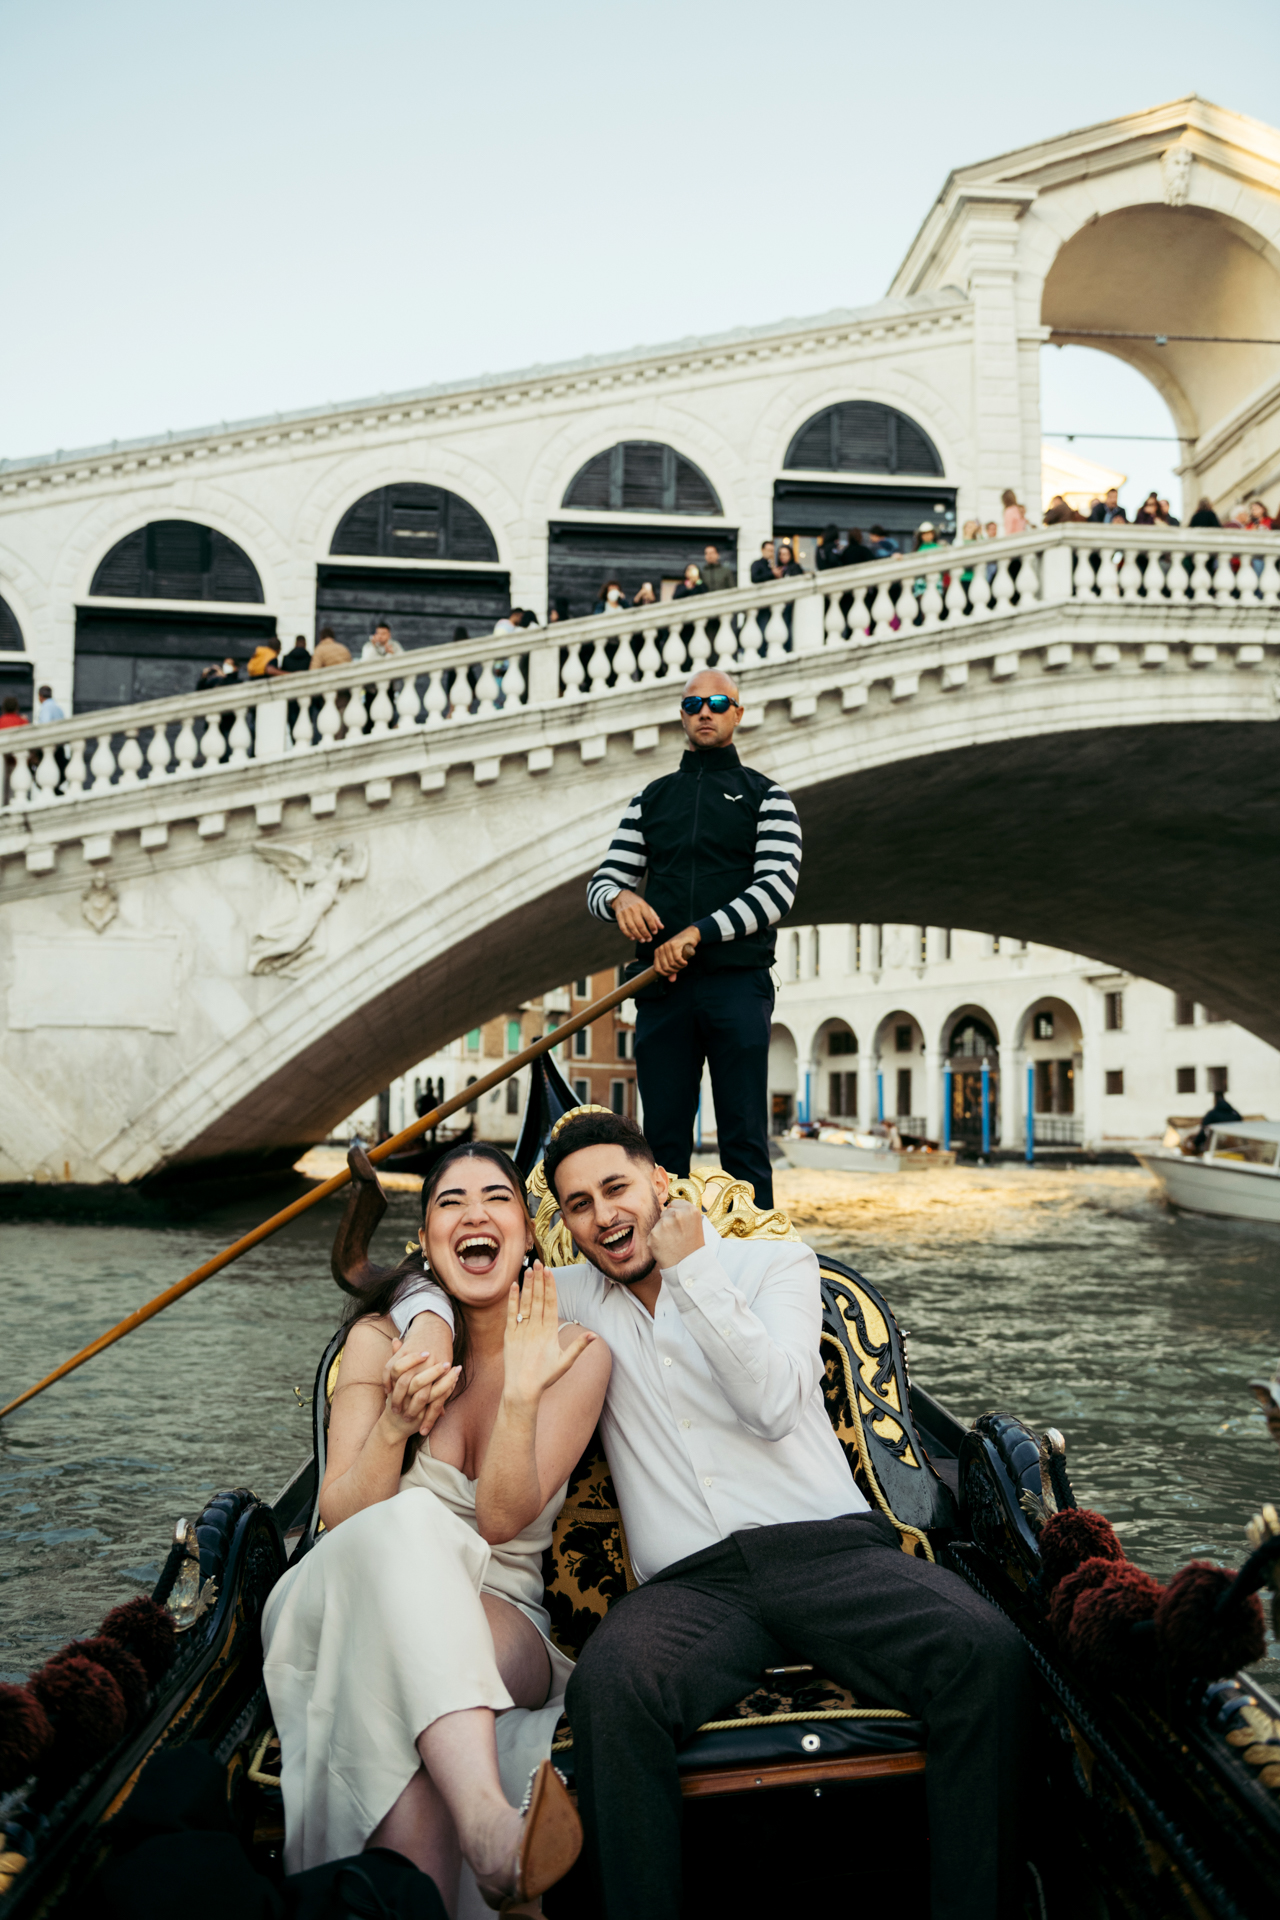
x=381 y=1299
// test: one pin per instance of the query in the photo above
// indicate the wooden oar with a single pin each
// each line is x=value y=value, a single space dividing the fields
x=286 y=1214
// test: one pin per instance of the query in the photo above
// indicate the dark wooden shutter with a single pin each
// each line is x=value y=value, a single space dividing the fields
x=643 y=490
x=122 y=570
x=412 y=521
x=10 y=631
x=232 y=574
x=862 y=436
x=916 y=452
x=694 y=492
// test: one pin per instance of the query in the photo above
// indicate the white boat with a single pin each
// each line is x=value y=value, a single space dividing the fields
x=1236 y=1177
x=848 y=1157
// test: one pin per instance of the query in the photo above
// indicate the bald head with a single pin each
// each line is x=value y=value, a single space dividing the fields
x=705 y=729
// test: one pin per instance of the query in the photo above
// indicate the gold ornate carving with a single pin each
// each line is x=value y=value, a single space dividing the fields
x=727 y=1203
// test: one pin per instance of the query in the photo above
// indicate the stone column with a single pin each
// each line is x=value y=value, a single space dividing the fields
x=1013 y=1099
x=1001 y=386
x=931 y=1107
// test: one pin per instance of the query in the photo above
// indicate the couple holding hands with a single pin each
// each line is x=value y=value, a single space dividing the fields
x=409 y=1666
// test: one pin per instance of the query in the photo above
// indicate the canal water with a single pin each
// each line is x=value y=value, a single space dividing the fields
x=1075 y=1299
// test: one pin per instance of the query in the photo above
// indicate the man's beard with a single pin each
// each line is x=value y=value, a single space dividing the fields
x=643 y=1228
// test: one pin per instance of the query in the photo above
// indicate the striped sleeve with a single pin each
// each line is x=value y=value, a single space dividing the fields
x=775 y=877
x=623 y=866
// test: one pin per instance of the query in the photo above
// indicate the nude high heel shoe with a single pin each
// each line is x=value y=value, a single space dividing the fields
x=549 y=1843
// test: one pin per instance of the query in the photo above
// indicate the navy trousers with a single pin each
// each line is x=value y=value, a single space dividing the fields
x=722 y=1018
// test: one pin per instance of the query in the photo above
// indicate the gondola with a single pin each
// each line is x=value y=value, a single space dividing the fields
x=1157 y=1771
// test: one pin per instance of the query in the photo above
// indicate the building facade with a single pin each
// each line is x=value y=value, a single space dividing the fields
x=907 y=1023
x=598 y=1061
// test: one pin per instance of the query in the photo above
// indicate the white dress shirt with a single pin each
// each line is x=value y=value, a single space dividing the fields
x=714 y=1419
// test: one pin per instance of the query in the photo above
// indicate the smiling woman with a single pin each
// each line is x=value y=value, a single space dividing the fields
x=439 y=1497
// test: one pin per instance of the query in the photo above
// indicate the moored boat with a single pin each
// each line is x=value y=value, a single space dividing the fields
x=1237 y=1177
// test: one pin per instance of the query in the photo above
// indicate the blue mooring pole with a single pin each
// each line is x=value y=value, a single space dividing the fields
x=879 y=1096
x=946 y=1108
x=1031 y=1116
x=986 y=1108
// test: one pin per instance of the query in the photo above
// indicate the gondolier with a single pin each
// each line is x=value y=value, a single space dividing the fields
x=720 y=845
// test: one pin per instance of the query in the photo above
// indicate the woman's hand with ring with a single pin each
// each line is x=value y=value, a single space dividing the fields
x=533 y=1358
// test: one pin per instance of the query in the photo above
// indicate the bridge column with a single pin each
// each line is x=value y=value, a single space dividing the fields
x=1003 y=388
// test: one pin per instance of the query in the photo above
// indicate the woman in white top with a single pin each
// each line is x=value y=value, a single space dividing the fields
x=416 y=1622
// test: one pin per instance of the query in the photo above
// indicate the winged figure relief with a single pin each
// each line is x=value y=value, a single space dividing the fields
x=289 y=944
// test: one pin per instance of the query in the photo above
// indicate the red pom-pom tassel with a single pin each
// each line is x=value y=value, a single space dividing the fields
x=1197 y=1640
x=147 y=1630
x=1073 y=1536
x=25 y=1735
x=125 y=1670
x=87 y=1710
x=1098 y=1635
x=1062 y=1603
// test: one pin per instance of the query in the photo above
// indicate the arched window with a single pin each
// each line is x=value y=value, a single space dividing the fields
x=409 y=521
x=972 y=1039
x=861 y=436
x=642 y=476
x=177 y=560
x=10 y=631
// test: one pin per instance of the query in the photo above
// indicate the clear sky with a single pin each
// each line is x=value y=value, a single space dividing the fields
x=213 y=213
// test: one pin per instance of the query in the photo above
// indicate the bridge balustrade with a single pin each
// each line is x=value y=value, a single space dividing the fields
x=964 y=589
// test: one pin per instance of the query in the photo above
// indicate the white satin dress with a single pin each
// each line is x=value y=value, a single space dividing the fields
x=379 y=1631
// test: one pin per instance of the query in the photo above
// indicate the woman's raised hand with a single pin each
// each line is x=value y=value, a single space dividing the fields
x=533 y=1358
x=416 y=1392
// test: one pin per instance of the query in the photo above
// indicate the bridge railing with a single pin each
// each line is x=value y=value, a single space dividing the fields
x=956 y=589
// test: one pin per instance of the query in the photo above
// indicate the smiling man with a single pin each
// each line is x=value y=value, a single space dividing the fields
x=751 y=1540
x=720 y=846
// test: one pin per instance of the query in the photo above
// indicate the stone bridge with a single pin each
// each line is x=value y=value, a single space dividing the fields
x=224 y=921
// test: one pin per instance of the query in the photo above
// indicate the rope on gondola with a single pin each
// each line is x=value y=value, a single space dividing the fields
x=338 y=1180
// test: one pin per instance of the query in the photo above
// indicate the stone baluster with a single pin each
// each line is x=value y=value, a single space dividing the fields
x=931 y=602
x=212 y=745
x=751 y=640
x=882 y=613
x=625 y=670
x=328 y=721
x=486 y=692
x=76 y=769
x=572 y=673
x=103 y=764
x=513 y=687
x=726 y=643
x=859 y=618
x=1269 y=584
x=1108 y=577
x=1202 y=579
x=956 y=599
x=240 y=739
x=356 y=716
x=1082 y=575
x=159 y=752
x=699 y=647
x=1029 y=580
x=186 y=748
x=47 y=776
x=303 y=732
x=650 y=659
x=381 y=711
x=20 y=782
x=598 y=668
x=1247 y=580
x=130 y=759
x=408 y=701
x=673 y=654
x=775 y=633
x=1130 y=575
x=1002 y=587
x=833 y=622
x=436 y=699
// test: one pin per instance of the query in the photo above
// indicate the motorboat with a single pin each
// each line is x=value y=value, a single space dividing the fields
x=1237 y=1177
x=1154 y=1783
x=853 y=1150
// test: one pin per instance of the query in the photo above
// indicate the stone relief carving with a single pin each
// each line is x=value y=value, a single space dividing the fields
x=1175 y=167
x=99 y=903
x=289 y=945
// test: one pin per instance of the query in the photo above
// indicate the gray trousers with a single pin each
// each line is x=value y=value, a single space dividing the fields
x=685 y=1646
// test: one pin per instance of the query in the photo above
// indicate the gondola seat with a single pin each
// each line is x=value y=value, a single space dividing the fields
x=796 y=1726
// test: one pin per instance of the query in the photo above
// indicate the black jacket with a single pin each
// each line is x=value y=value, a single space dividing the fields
x=697 y=834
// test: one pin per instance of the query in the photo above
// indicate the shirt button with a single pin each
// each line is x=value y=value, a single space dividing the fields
x=707 y=1481
x=686 y=1423
x=667 y=1361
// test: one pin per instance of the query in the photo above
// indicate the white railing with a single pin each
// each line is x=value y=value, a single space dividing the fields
x=949 y=590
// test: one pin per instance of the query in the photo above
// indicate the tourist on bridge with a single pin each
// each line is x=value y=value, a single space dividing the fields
x=720 y=844
x=717 y=577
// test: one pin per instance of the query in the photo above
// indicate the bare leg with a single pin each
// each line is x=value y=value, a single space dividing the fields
x=454 y=1806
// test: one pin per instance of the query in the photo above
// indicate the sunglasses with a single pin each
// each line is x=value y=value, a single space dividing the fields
x=718 y=702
